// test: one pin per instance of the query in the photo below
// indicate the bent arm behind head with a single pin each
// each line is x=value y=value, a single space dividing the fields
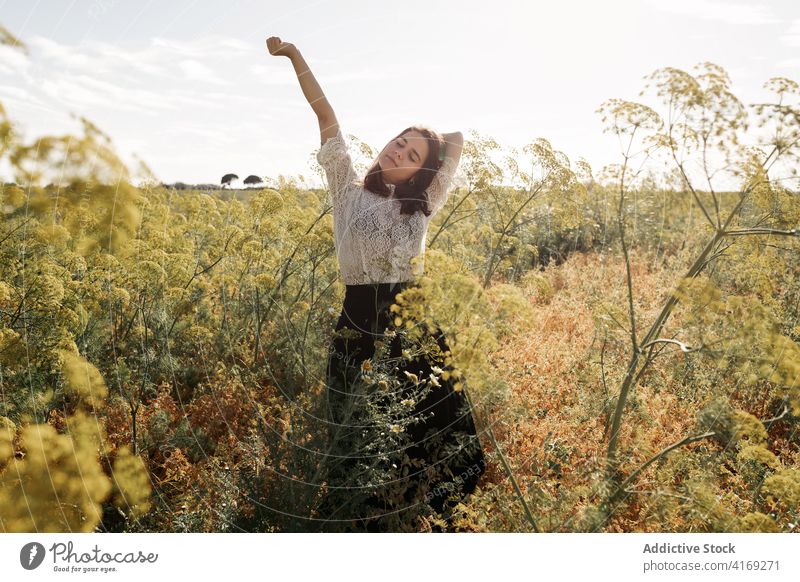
x=454 y=144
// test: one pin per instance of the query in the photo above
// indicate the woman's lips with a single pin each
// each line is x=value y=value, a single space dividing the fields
x=388 y=157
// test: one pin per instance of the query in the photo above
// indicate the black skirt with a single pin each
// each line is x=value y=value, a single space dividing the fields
x=446 y=439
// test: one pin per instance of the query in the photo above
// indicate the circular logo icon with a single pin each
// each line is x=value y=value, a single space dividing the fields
x=31 y=555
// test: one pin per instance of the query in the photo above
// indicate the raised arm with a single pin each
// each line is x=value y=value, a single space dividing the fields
x=328 y=124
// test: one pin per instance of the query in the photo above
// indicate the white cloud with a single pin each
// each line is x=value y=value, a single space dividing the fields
x=23 y=97
x=727 y=12
x=273 y=75
x=364 y=75
x=197 y=71
x=85 y=92
x=59 y=55
x=792 y=36
x=210 y=134
x=13 y=60
x=202 y=48
x=110 y=57
x=787 y=64
x=236 y=46
x=159 y=76
x=193 y=60
x=15 y=92
x=285 y=75
x=18 y=101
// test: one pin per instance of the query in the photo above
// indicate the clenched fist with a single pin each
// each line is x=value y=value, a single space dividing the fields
x=279 y=48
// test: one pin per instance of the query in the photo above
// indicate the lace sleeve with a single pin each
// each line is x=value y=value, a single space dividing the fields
x=337 y=163
x=440 y=186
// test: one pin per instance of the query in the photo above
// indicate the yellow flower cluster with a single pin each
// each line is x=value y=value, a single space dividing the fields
x=412 y=377
x=404 y=316
x=452 y=374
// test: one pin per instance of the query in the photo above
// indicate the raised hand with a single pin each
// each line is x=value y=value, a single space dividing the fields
x=279 y=48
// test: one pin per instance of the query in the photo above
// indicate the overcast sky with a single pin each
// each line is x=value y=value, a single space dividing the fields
x=190 y=88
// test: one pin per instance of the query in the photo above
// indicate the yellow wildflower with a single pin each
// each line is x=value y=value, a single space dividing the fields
x=366 y=365
x=395 y=428
x=398 y=321
x=457 y=387
x=412 y=377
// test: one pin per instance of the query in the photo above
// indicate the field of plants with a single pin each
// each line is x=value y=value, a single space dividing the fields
x=627 y=336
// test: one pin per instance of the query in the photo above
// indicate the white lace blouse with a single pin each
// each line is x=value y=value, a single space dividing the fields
x=374 y=241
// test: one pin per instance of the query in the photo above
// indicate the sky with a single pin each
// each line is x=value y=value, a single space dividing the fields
x=189 y=87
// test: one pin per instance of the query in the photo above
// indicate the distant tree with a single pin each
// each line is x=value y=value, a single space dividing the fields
x=227 y=178
x=181 y=186
x=253 y=179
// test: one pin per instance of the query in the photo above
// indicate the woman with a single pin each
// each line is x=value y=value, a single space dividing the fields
x=380 y=225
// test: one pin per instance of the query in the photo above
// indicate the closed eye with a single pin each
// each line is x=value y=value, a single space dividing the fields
x=413 y=156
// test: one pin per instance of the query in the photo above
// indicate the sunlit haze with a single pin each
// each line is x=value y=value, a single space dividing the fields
x=189 y=87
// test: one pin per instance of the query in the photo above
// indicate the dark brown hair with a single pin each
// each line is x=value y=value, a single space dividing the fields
x=411 y=193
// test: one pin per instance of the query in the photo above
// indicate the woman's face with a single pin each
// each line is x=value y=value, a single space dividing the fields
x=403 y=156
